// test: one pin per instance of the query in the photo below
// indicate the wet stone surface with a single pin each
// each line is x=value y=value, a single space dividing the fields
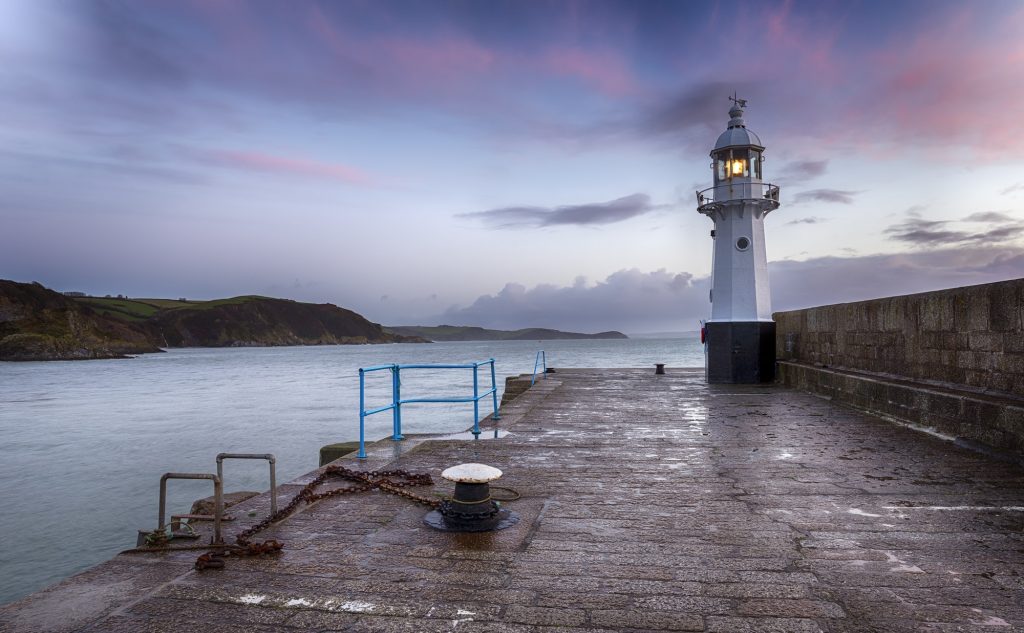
x=648 y=504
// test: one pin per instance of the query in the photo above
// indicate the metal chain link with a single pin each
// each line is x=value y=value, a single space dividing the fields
x=391 y=481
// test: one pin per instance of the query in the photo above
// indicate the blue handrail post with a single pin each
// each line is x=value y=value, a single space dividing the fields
x=396 y=395
x=537 y=361
x=476 y=400
x=494 y=392
x=362 y=415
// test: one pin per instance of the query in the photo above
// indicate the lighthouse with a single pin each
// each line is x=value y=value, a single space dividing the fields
x=740 y=335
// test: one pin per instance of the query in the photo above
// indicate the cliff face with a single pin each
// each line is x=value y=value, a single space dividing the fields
x=261 y=321
x=40 y=324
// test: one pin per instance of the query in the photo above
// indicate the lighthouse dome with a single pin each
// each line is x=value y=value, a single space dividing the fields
x=738 y=136
x=737 y=133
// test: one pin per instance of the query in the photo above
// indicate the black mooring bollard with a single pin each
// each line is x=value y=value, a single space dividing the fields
x=471 y=508
x=659 y=369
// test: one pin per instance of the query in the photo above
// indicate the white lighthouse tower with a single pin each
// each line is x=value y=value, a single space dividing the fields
x=740 y=333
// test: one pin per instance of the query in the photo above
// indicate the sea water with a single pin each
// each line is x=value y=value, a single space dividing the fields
x=83 y=443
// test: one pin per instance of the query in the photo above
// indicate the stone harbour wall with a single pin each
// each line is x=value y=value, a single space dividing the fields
x=972 y=336
x=951 y=359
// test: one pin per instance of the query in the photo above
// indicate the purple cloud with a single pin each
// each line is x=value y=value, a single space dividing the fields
x=590 y=214
x=825 y=195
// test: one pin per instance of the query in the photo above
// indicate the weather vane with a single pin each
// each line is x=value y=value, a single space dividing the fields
x=739 y=102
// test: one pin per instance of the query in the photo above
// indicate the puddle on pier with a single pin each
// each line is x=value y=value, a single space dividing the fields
x=493 y=434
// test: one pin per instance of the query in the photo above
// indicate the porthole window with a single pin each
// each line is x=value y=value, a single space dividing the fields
x=743 y=243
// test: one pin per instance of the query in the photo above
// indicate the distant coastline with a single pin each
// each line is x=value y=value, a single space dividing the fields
x=37 y=323
x=447 y=333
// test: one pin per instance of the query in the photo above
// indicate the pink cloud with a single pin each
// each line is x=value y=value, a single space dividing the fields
x=446 y=54
x=605 y=70
x=462 y=64
x=958 y=82
x=444 y=58
x=288 y=166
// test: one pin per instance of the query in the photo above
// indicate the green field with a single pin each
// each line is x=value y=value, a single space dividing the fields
x=142 y=309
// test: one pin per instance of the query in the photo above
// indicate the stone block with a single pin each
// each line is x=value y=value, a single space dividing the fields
x=1004 y=301
x=963 y=341
x=1011 y=420
x=332 y=452
x=894 y=315
x=978 y=313
x=1013 y=342
x=1006 y=383
x=976 y=378
x=985 y=341
x=1010 y=364
x=974 y=360
x=943 y=405
x=936 y=313
x=946 y=340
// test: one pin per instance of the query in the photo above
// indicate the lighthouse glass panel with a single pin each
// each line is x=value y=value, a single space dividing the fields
x=755 y=163
x=738 y=165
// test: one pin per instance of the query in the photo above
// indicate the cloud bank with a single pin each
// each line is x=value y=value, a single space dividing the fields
x=921 y=232
x=636 y=301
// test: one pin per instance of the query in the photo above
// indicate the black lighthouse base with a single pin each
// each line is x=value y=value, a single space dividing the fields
x=741 y=352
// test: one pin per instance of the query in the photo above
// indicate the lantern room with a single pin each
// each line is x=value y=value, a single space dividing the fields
x=738 y=152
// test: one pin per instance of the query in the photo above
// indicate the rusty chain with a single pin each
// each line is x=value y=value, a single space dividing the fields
x=391 y=481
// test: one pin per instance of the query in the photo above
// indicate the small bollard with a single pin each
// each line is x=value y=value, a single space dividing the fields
x=659 y=369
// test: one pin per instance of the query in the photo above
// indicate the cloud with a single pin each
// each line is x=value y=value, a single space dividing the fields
x=701 y=107
x=627 y=299
x=802 y=170
x=590 y=214
x=284 y=165
x=922 y=91
x=989 y=216
x=918 y=231
x=809 y=220
x=636 y=301
x=936 y=232
x=1014 y=187
x=825 y=195
x=605 y=70
x=800 y=284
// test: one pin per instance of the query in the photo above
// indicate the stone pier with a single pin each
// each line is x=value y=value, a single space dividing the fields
x=649 y=503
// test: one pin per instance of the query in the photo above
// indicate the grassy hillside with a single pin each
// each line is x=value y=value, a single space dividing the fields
x=142 y=309
x=470 y=333
x=40 y=324
x=262 y=321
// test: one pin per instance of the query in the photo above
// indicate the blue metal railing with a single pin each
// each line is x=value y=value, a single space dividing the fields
x=542 y=362
x=396 y=397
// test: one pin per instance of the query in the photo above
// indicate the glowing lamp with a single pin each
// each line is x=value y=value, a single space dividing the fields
x=738 y=167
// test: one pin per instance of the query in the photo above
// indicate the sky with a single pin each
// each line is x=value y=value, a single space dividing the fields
x=504 y=164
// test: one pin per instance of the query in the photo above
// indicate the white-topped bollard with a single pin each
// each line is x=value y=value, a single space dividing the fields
x=471 y=508
x=471 y=473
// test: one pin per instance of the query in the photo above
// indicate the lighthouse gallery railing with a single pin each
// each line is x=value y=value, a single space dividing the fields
x=397 y=401
x=708 y=196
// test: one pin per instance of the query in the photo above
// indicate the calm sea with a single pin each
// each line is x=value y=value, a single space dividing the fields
x=84 y=443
